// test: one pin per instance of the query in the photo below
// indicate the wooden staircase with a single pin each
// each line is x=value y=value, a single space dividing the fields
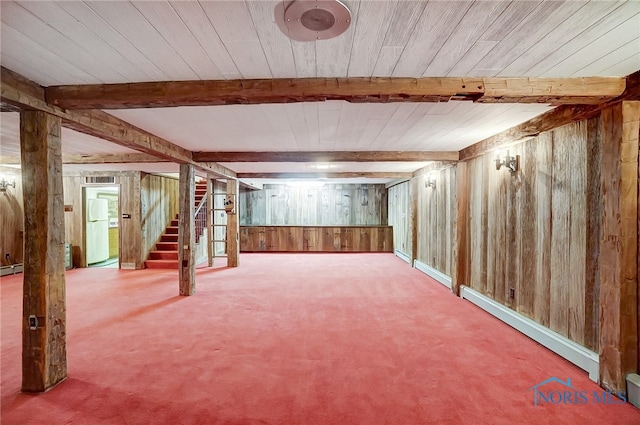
x=165 y=256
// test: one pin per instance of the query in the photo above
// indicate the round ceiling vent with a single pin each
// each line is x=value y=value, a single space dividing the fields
x=309 y=20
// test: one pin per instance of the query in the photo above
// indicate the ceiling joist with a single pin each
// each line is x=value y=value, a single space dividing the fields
x=557 y=91
x=20 y=92
x=335 y=156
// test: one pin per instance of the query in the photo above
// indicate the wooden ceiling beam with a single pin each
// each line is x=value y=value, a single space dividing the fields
x=27 y=95
x=335 y=156
x=557 y=91
x=332 y=175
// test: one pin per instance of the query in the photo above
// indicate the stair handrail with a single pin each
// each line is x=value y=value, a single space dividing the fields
x=200 y=217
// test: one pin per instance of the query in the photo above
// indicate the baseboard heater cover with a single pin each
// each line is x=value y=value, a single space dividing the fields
x=580 y=356
x=402 y=256
x=433 y=273
x=13 y=269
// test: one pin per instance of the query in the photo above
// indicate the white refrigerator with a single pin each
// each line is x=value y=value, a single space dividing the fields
x=97 y=230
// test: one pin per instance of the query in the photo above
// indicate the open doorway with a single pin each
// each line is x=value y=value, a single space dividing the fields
x=101 y=226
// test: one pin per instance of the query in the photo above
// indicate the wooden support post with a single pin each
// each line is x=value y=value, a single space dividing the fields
x=44 y=346
x=233 y=227
x=210 y=228
x=461 y=247
x=414 y=193
x=186 y=231
x=619 y=245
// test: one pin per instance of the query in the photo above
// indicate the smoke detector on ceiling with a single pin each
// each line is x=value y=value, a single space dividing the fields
x=310 y=20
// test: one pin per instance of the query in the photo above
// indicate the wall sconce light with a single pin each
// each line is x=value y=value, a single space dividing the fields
x=511 y=162
x=430 y=182
x=4 y=183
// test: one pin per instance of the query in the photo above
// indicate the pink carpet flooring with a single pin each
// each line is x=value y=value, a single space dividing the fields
x=288 y=339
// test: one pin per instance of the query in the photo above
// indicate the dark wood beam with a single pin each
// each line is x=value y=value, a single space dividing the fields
x=334 y=156
x=619 y=245
x=44 y=346
x=118 y=158
x=338 y=175
x=557 y=117
x=27 y=95
x=584 y=90
x=187 y=231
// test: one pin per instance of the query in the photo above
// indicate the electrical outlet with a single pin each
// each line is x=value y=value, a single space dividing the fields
x=7 y=256
x=512 y=293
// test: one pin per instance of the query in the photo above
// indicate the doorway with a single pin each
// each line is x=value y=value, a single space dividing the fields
x=102 y=238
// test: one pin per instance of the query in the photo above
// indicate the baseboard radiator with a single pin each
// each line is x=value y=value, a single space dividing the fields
x=402 y=256
x=575 y=353
x=433 y=273
x=12 y=269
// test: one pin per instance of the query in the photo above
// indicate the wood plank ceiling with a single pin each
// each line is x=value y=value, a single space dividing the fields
x=98 y=42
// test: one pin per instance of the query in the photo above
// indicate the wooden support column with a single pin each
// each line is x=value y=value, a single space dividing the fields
x=233 y=226
x=414 y=193
x=461 y=247
x=44 y=345
x=619 y=245
x=186 y=231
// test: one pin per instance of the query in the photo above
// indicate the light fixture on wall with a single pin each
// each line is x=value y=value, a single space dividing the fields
x=510 y=162
x=431 y=181
x=4 y=183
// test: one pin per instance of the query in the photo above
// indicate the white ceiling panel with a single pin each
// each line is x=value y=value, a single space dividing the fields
x=345 y=126
x=84 y=42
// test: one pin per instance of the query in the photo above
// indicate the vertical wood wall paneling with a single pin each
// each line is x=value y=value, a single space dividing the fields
x=543 y=187
x=577 y=136
x=332 y=204
x=435 y=230
x=233 y=228
x=159 y=205
x=525 y=290
x=619 y=245
x=593 y=204
x=560 y=233
x=44 y=345
x=186 y=232
x=12 y=222
x=131 y=228
x=461 y=257
x=399 y=216
x=538 y=231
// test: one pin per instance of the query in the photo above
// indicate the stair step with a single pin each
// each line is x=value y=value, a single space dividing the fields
x=174 y=222
x=167 y=246
x=169 y=238
x=163 y=255
x=172 y=230
x=161 y=264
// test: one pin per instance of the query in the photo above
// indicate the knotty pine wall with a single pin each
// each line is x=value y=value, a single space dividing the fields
x=436 y=220
x=11 y=220
x=537 y=230
x=129 y=228
x=329 y=205
x=159 y=205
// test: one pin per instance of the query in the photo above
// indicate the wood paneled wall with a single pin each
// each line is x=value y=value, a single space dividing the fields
x=159 y=205
x=535 y=233
x=329 y=205
x=129 y=228
x=11 y=220
x=400 y=217
x=436 y=220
